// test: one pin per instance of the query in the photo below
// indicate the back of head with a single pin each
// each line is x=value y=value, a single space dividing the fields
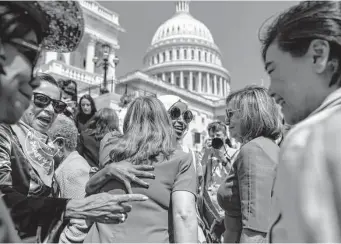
x=105 y=121
x=258 y=112
x=147 y=132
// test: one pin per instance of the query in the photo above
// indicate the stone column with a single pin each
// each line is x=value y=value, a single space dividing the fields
x=199 y=81
x=49 y=56
x=181 y=79
x=181 y=53
x=67 y=57
x=209 y=90
x=163 y=76
x=227 y=88
x=174 y=54
x=190 y=83
x=90 y=54
x=196 y=55
x=215 y=85
x=111 y=76
x=172 y=78
x=221 y=93
x=167 y=55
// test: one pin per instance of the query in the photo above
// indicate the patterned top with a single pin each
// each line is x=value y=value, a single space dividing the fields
x=72 y=176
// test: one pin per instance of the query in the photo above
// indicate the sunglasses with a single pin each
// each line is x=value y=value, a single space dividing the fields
x=29 y=50
x=175 y=113
x=229 y=114
x=42 y=101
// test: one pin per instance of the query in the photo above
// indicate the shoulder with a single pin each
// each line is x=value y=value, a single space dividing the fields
x=6 y=134
x=181 y=155
x=76 y=162
x=109 y=138
x=259 y=145
x=180 y=158
x=259 y=149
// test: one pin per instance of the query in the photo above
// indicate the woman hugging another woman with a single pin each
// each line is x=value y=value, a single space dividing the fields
x=169 y=214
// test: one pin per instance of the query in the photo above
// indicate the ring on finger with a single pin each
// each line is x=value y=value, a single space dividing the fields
x=123 y=217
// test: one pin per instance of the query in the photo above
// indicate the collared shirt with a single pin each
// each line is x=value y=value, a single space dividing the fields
x=307 y=188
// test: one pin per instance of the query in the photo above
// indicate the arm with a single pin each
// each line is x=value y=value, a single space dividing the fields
x=256 y=173
x=123 y=171
x=184 y=217
x=183 y=202
x=73 y=177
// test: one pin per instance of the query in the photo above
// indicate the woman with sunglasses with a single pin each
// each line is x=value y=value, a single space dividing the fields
x=169 y=215
x=27 y=170
x=246 y=194
x=26 y=28
x=181 y=117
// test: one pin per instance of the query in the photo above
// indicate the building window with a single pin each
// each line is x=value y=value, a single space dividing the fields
x=164 y=57
x=211 y=58
x=203 y=120
x=157 y=59
x=199 y=54
x=177 y=54
x=192 y=54
x=205 y=56
x=171 y=55
x=185 y=54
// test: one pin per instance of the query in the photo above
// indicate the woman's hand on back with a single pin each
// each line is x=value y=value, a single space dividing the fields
x=102 y=207
x=123 y=171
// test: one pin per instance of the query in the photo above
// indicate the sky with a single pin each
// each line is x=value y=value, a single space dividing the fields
x=233 y=24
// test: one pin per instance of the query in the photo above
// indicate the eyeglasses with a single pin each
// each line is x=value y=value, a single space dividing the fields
x=229 y=114
x=29 y=50
x=42 y=101
x=175 y=113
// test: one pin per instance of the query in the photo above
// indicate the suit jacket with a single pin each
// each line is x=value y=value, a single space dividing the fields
x=308 y=183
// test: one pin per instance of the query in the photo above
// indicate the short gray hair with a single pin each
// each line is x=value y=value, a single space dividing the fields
x=260 y=116
x=66 y=128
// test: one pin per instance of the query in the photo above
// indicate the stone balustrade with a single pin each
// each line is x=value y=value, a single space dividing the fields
x=60 y=68
x=100 y=11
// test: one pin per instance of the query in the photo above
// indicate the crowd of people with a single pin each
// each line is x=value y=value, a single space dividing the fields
x=270 y=172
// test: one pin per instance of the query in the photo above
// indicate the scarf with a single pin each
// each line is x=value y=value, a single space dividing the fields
x=39 y=154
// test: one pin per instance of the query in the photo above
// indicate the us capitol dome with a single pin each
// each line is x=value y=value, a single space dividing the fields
x=183 y=60
x=183 y=52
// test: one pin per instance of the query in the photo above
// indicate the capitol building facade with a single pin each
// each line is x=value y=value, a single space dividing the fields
x=182 y=60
